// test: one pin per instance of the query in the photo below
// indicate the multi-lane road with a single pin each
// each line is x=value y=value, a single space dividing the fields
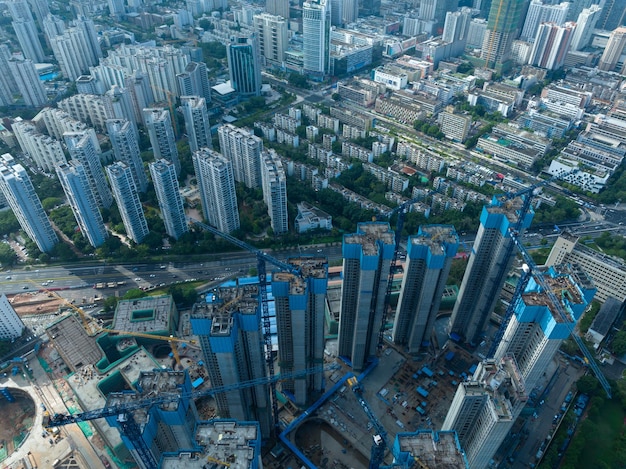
x=143 y=274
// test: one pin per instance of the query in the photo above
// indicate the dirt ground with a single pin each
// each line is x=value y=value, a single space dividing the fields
x=30 y=303
x=16 y=417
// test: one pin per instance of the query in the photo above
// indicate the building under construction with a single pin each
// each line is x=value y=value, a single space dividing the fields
x=485 y=407
x=429 y=449
x=490 y=261
x=429 y=258
x=229 y=329
x=300 y=306
x=537 y=328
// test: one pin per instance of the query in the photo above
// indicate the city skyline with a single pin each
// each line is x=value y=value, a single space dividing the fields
x=442 y=120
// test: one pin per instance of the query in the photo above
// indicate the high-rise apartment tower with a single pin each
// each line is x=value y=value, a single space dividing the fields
x=367 y=258
x=300 y=303
x=429 y=258
x=126 y=148
x=19 y=192
x=161 y=132
x=216 y=183
x=168 y=195
x=128 y=203
x=491 y=259
x=275 y=191
x=82 y=201
x=196 y=122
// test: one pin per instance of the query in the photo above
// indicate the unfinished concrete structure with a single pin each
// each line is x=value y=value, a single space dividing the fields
x=440 y=450
x=91 y=386
x=70 y=339
x=166 y=427
x=300 y=305
x=224 y=443
x=151 y=315
x=429 y=258
x=537 y=329
x=367 y=258
x=485 y=407
x=491 y=259
x=228 y=326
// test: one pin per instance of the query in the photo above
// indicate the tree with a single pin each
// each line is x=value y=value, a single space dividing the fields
x=7 y=255
x=588 y=384
x=134 y=293
x=299 y=81
x=50 y=202
x=588 y=317
x=618 y=346
x=110 y=304
x=336 y=96
x=8 y=222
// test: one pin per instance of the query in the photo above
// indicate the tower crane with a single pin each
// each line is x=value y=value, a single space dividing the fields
x=217 y=461
x=493 y=35
x=262 y=258
x=379 y=446
x=401 y=211
x=131 y=430
x=173 y=341
x=90 y=326
x=526 y=195
x=380 y=443
x=530 y=270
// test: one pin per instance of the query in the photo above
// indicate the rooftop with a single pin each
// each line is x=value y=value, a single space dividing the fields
x=562 y=287
x=435 y=237
x=369 y=235
x=152 y=384
x=90 y=387
x=225 y=301
x=73 y=344
x=441 y=449
x=150 y=314
x=229 y=442
x=607 y=316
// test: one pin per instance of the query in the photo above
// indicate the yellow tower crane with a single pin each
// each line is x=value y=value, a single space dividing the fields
x=217 y=461
x=173 y=341
x=90 y=326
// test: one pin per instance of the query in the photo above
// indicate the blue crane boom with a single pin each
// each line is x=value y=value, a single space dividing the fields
x=262 y=258
x=564 y=315
x=130 y=406
x=514 y=233
x=247 y=247
x=379 y=446
x=526 y=195
x=401 y=211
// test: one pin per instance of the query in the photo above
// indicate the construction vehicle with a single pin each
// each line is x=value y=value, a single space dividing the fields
x=173 y=341
x=89 y=324
x=262 y=258
x=132 y=431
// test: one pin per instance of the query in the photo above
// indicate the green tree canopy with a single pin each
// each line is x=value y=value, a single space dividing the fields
x=618 y=346
x=8 y=257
